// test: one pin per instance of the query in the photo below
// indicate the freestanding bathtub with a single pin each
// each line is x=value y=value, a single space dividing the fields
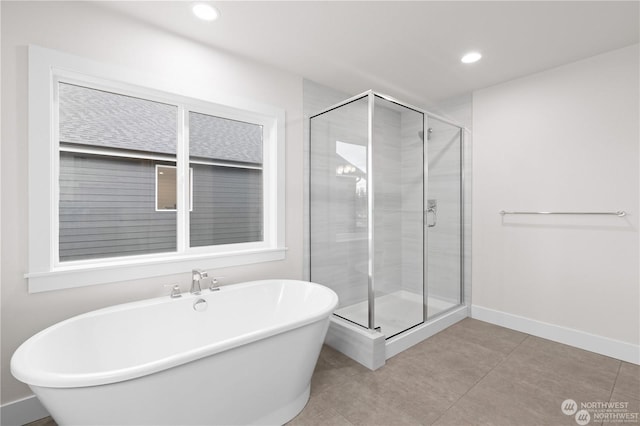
x=243 y=356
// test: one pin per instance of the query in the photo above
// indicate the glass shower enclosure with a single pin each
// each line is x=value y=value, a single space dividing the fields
x=385 y=211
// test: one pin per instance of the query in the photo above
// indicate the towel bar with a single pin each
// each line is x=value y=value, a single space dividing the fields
x=620 y=213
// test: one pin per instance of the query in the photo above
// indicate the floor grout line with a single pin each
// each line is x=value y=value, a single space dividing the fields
x=615 y=382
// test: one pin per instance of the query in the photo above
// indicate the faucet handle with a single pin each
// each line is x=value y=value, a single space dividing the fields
x=198 y=274
x=214 y=286
x=175 y=290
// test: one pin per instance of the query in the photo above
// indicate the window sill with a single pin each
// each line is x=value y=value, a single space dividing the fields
x=86 y=275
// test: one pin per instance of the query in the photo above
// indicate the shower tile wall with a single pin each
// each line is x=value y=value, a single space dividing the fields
x=387 y=174
x=412 y=167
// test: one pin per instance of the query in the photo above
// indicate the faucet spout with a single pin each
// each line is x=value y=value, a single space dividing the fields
x=197 y=275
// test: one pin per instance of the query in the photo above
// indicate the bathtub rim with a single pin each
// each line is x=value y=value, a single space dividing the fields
x=21 y=371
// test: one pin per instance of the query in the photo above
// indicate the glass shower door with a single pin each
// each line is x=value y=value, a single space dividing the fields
x=444 y=212
x=398 y=209
x=339 y=206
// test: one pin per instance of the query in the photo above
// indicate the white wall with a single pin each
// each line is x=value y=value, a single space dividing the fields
x=566 y=139
x=86 y=30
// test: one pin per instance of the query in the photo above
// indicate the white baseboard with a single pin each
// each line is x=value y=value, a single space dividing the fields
x=22 y=411
x=602 y=345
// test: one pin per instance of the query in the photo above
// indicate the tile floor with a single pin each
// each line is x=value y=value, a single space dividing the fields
x=473 y=373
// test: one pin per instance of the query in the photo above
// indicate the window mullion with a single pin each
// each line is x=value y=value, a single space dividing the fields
x=54 y=180
x=182 y=181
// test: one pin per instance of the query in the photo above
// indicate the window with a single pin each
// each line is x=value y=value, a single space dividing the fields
x=110 y=145
x=226 y=156
x=167 y=189
x=146 y=182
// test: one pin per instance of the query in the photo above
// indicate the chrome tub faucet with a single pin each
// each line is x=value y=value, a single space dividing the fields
x=197 y=275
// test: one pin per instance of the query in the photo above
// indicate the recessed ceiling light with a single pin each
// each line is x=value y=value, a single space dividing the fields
x=471 y=57
x=205 y=11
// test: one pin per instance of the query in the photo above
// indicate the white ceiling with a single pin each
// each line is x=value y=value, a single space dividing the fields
x=408 y=49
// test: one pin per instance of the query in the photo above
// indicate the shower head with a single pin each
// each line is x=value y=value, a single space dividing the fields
x=421 y=134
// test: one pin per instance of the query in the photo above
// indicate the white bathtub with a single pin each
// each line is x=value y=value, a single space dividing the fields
x=247 y=359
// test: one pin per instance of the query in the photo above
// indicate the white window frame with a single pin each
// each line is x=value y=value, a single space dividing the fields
x=190 y=188
x=46 y=69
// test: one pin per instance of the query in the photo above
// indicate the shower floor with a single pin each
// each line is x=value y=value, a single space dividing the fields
x=395 y=312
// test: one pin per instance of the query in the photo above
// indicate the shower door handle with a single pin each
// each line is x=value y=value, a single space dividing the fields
x=432 y=207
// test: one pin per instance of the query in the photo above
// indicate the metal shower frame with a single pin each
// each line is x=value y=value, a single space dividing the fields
x=371 y=95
